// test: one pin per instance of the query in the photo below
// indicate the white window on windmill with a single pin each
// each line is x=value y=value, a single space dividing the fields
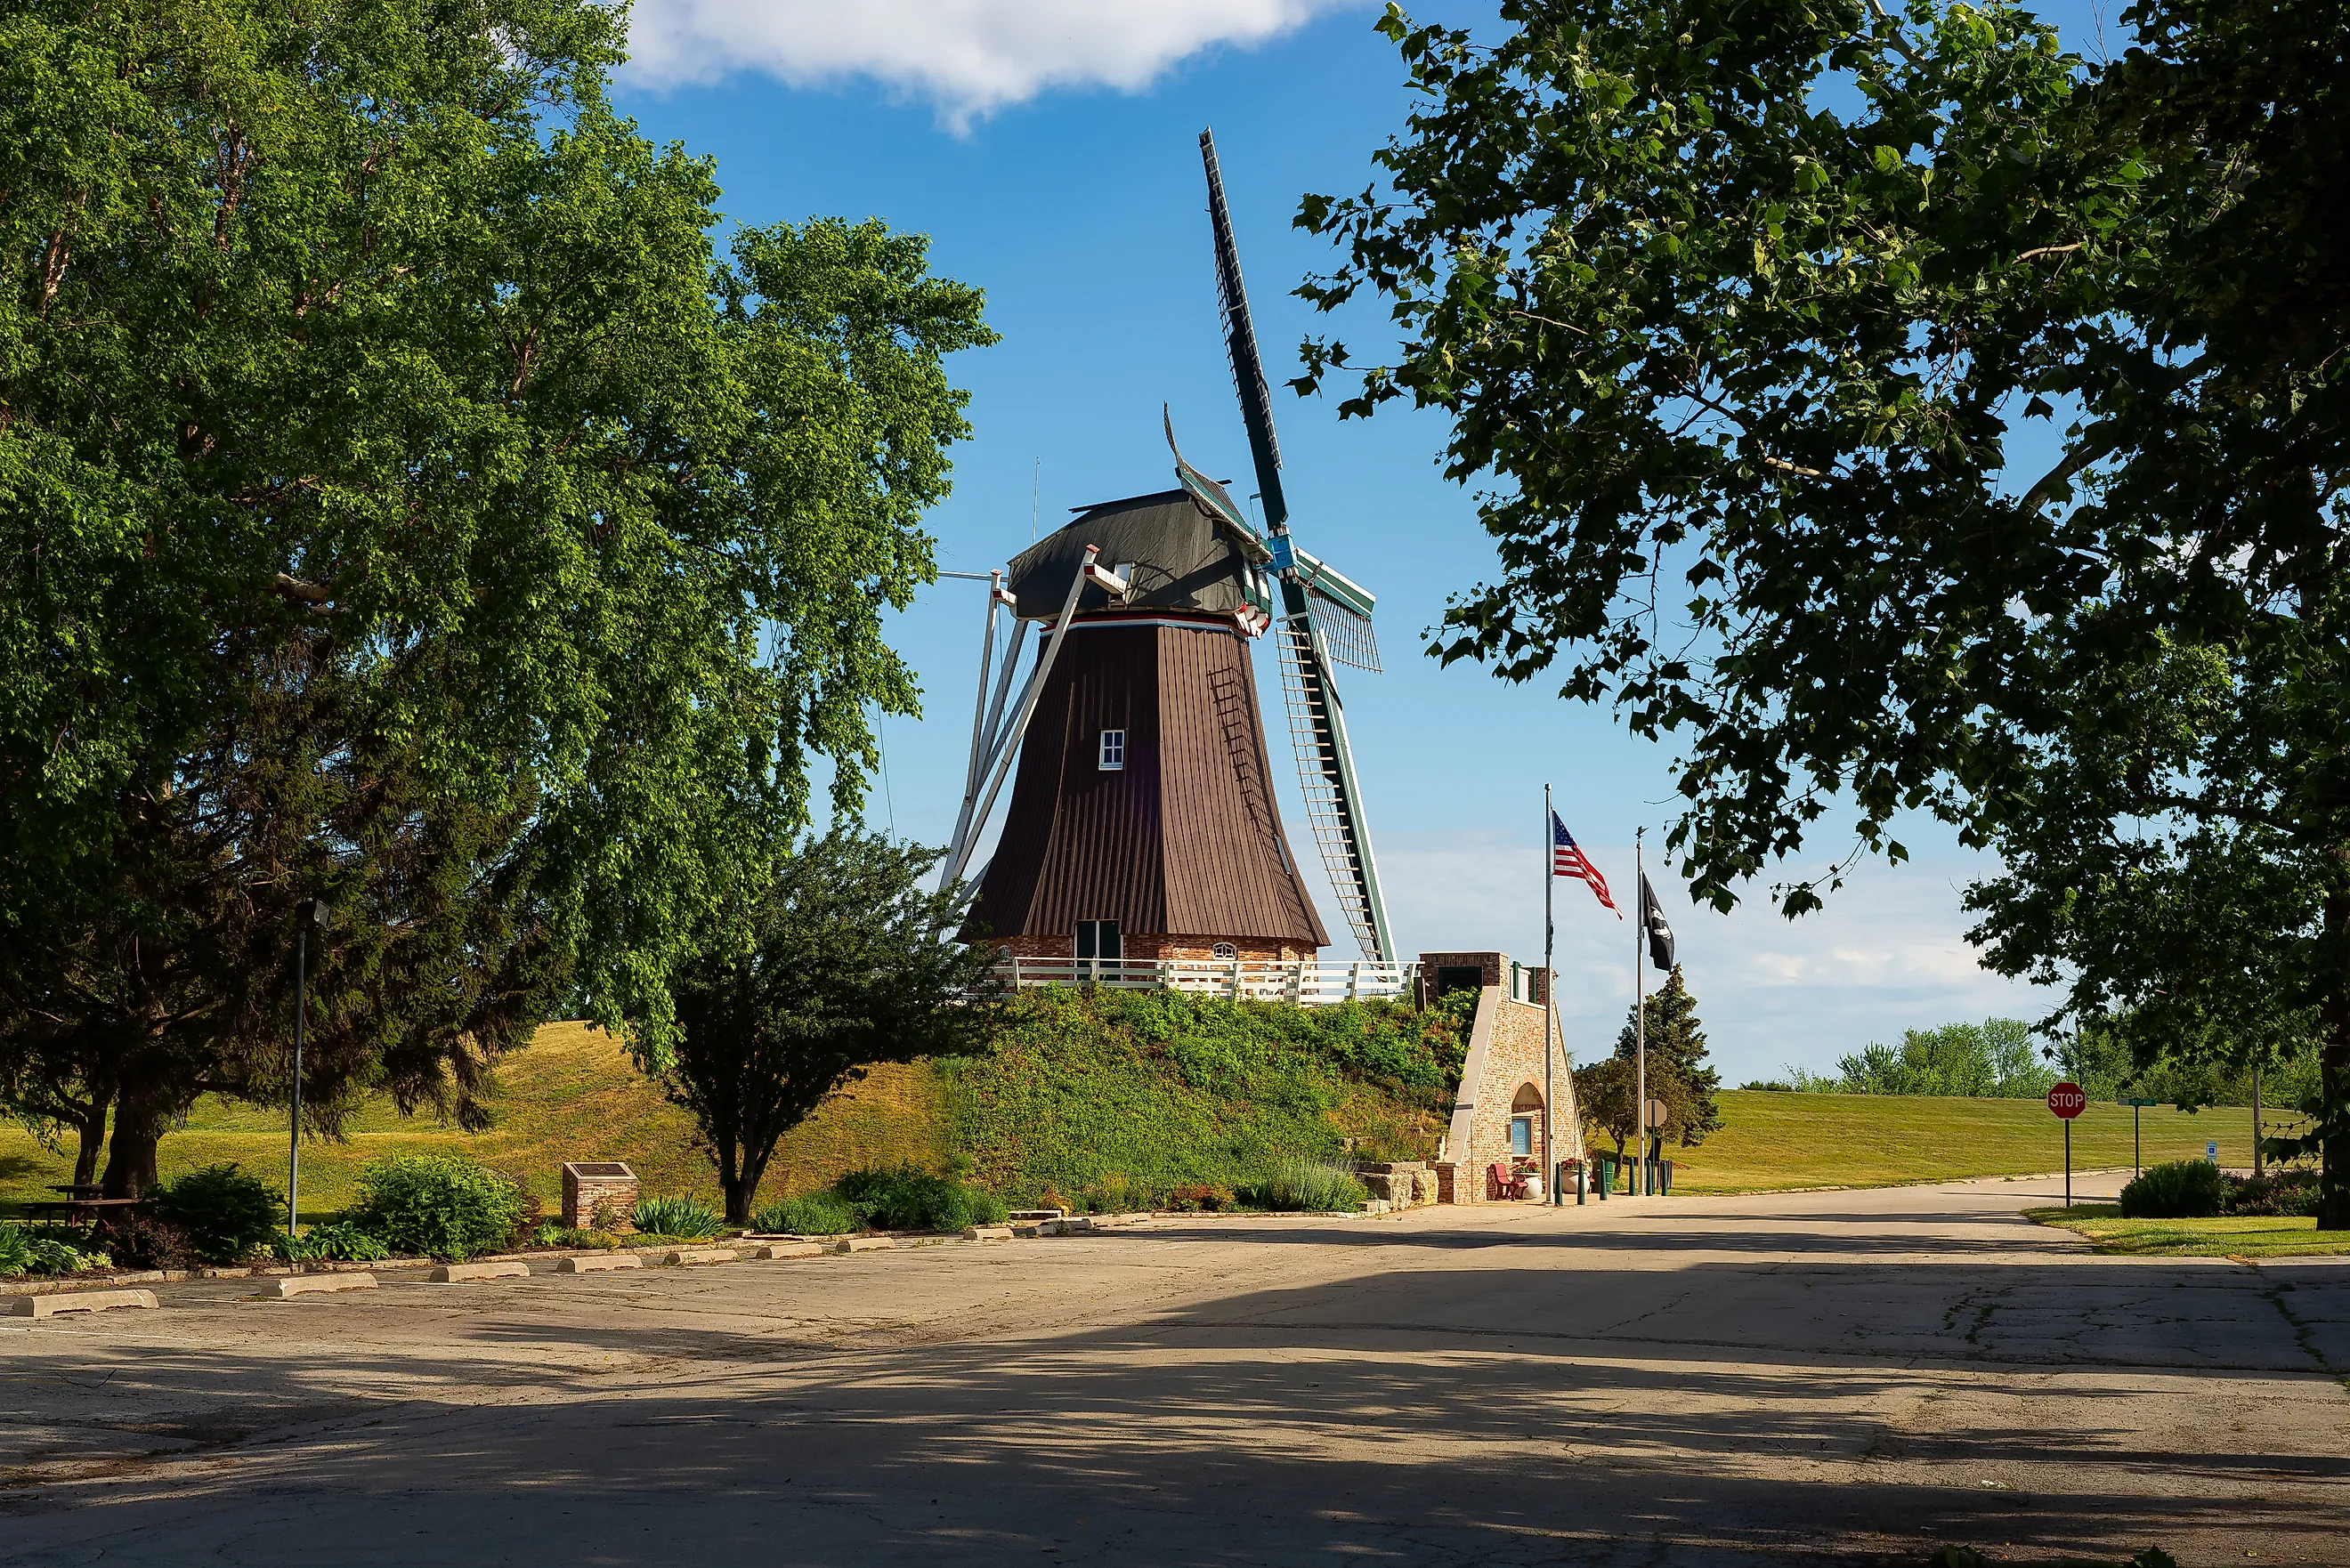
x=1113 y=750
x=1224 y=952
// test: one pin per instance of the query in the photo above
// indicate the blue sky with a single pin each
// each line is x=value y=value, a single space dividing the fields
x=1048 y=148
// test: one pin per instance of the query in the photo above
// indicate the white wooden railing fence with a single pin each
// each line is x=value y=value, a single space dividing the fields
x=1303 y=982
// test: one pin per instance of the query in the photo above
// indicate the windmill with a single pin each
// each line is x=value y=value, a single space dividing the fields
x=1324 y=619
x=1142 y=824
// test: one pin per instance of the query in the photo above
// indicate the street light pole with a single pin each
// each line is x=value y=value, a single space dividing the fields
x=309 y=912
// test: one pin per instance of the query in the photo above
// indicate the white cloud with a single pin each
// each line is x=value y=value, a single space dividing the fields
x=1888 y=953
x=969 y=57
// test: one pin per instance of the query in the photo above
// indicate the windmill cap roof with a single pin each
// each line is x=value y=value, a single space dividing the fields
x=1184 y=557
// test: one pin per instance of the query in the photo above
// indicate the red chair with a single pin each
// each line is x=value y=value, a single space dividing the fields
x=1507 y=1182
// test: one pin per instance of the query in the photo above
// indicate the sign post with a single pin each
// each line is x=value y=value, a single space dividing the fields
x=2138 y=1108
x=2066 y=1101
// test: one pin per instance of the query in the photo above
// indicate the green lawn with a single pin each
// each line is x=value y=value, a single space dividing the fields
x=2224 y=1236
x=1781 y=1140
x=573 y=1096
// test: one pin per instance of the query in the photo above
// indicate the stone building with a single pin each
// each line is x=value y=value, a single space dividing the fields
x=1498 y=1117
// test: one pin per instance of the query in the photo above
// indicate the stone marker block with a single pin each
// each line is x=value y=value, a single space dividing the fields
x=988 y=1234
x=79 y=1301
x=863 y=1243
x=590 y=1185
x=459 y=1274
x=597 y=1262
x=685 y=1256
x=293 y=1285
x=790 y=1250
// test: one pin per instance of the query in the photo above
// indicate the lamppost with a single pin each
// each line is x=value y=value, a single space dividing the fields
x=308 y=914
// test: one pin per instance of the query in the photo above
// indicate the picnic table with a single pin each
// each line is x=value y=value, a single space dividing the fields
x=80 y=1203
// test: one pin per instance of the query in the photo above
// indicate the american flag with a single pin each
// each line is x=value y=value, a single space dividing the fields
x=1567 y=859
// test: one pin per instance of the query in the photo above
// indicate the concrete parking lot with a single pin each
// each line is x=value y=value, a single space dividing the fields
x=1682 y=1381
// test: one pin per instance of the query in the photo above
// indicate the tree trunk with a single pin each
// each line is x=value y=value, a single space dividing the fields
x=743 y=1188
x=93 y=1139
x=130 y=1153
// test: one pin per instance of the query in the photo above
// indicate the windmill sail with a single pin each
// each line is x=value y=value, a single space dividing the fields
x=1324 y=619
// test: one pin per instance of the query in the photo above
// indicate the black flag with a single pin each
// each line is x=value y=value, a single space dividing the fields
x=1660 y=935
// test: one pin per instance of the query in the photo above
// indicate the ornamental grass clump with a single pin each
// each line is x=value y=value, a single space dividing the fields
x=2176 y=1189
x=686 y=1218
x=1307 y=1187
x=441 y=1205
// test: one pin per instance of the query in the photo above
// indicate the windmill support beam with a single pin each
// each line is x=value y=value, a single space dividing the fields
x=1005 y=744
x=987 y=715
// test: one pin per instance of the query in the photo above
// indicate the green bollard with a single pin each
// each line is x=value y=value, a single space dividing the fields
x=1582 y=1181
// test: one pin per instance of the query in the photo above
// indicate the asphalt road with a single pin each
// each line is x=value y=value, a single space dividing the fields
x=1696 y=1381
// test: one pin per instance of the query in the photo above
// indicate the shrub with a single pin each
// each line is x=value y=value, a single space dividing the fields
x=2284 y=1192
x=811 y=1214
x=139 y=1240
x=342 y=1241
x=443 y=1205
x=687 y=1218
x=1305 y=1185
x=1200 y=1197
x=222 y=1212
x=909 y=1199
x=2178 y=1190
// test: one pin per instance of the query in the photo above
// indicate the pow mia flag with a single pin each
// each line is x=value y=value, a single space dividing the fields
x=1660 y=934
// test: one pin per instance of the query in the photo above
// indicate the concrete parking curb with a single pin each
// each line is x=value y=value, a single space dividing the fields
x=863 y=1244
x=597 y=1262
x=292 y=1285
x=778 y=1250
x=80 y=1300
x=685 y=1257
x=461 y=1273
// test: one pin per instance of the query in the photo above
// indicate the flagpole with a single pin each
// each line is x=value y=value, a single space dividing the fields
x=1550 y=1005
x=1640 y=1006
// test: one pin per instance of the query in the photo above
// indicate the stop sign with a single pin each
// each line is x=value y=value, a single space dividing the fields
x=2067 y=1100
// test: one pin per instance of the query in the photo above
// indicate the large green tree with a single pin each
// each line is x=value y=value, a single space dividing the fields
x=1910 y=415
x=403 y=504
x=840 y=960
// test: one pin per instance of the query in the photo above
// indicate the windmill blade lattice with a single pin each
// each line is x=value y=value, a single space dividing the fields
x=1317 y=736
x=1324 y=618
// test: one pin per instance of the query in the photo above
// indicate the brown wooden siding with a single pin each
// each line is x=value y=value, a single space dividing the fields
x=1186 y=836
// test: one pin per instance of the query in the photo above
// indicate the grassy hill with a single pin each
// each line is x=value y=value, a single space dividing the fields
x=1118 y=1096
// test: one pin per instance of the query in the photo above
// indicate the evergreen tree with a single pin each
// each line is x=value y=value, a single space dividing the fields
x=1676 y=1055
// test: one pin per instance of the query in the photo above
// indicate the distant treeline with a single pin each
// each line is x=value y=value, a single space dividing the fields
x=1996 y=1059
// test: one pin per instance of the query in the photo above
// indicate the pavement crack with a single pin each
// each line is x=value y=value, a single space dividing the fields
x=2274 y=1293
